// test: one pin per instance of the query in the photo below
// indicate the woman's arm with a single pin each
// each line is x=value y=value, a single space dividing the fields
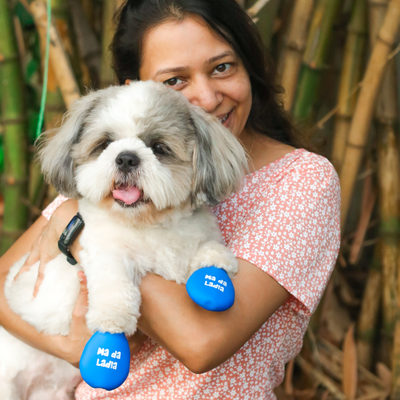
x=41 y=240
x=18 y=327
x=200 y=339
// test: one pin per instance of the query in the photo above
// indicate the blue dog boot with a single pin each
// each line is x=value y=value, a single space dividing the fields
x=105 y=360
x=211 y=288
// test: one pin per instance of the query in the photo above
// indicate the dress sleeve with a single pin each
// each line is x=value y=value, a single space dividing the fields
x=293 y=232
x=49 y=210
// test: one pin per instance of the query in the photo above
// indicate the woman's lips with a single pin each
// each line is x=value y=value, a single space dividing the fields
x=226 y=118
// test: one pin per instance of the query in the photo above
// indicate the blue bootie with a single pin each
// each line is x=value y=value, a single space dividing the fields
x=105 y=360
x=211 y=288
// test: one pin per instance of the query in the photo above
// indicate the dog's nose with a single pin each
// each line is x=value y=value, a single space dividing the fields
x=127 y=161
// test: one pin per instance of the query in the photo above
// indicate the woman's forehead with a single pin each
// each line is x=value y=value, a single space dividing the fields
x=189 y=43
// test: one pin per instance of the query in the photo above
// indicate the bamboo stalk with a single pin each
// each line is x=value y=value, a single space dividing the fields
x=314 y=58
x=293 y=49
x=386 y=114
x=107 y=76
x=395 y=395
x=366 y=325
x=367 y=207
x=386 y=106
x=88 y=46
x=365 y=103
x=350 y=76
x=55 y=106
x=257 y=7
x=58 y=58
x=377 y=11
x=388 y=169
x=368 y=201
x=266 y=12
x=57 y=97
x=14 y=141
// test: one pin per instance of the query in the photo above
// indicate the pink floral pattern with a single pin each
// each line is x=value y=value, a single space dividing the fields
x=48 y=211
x=285 y=220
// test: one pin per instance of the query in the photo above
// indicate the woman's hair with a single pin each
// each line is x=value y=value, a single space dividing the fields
x=233 y=25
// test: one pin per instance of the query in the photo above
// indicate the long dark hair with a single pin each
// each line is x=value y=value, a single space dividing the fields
x=232 y=24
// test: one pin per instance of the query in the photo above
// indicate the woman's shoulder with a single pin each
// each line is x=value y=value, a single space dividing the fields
x=299 y=164
x=300 y=176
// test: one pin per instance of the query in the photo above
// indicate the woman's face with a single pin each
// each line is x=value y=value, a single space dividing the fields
x=189 y=57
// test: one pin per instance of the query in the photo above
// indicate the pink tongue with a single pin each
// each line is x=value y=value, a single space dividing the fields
x=127 y=194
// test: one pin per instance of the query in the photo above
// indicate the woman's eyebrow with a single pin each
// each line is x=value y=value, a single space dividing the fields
x=224 y=54
x=181 y=69
x=168 y=70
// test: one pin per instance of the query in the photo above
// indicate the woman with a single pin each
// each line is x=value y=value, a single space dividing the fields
x=283 y=226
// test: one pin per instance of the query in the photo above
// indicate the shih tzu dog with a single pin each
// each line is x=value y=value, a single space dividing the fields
x=145 y=165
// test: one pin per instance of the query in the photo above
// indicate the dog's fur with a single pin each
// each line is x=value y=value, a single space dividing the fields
x=188 y=161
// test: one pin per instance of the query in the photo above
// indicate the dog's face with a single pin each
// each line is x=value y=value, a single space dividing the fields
x=142 y=149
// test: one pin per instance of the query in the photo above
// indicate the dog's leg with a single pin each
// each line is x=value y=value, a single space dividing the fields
x=114 y=296
x=214 y=254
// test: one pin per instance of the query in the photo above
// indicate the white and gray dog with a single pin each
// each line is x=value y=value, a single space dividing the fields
x=145 y=165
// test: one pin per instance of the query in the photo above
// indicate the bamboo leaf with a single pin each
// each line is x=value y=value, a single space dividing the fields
x=350 y=375
x=384 y=374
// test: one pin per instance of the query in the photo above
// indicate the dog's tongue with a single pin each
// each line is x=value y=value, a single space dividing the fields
x=128 y=194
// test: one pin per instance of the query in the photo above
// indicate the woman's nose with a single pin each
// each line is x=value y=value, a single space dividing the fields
x=205 y=94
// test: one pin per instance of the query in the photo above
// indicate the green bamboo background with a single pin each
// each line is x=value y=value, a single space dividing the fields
x=338 y=62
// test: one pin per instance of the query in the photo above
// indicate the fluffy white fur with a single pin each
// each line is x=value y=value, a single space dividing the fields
x=170 y=231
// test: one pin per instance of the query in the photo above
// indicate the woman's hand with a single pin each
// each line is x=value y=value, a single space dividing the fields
x=71 y=346
x=136 y=341
x=45 y=247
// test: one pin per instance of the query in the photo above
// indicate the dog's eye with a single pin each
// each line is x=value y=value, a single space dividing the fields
x=104 y=144
x=160 y=148
x=101 y=146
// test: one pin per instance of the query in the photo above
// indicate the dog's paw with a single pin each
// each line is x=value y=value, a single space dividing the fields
x=217 y=255
x=232 y=267
x=111 y=322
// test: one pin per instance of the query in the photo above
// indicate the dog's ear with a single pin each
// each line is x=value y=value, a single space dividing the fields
x=219 y=160
x=55 y=146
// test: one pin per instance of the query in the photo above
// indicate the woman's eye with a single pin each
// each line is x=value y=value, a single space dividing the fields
x=223 y=67
x=172 y=82
x=159 y=148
